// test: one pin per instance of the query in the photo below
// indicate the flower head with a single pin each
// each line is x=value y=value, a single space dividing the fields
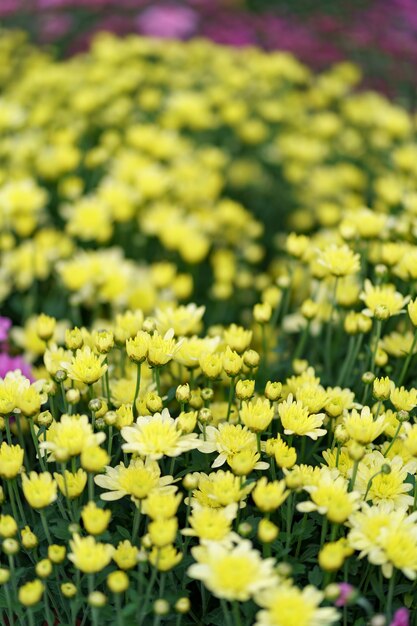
x=88 y=555
x=157 y=435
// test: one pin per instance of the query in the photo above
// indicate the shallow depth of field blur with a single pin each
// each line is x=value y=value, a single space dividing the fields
x=208 y=313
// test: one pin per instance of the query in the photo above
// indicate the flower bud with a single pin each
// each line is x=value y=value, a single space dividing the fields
x=43 y=568
x=72 y=396
x=60 y=376
x=309 y=309
x=251 y=358
x=153 y=402
x=190 y=481
x=45 y=326
x=245 y=389
x=103 y=341
x=118 y=581
x=232 y=362
x=183 y=393
x=368 y=378
x=196 y=401
x=273 y=391
x=149 y=325
x=207 y=393
x=110 y=418
x=262 y=312
x=382 y=388
x=73 y=339
x=340 y=434
x=284 y=569
x=97 y=599
x=4 y=575
x=161 y=607
x=69 y=590
x=204 y=416
x=267 y=531
x=412 y=311
x=44 y=419
x=94 y=405
x=29 y=539
x=245 y=529
x=403 y=416
x=10 y=546
x=182 y=605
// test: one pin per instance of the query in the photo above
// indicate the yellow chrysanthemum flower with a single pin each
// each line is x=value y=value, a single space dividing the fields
x=296 y=419
x=157 y=435
x=136 y=480
x=286 y=605
x=88 y=555
x=234 y=572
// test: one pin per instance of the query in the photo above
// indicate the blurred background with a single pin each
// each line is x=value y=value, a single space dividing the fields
x=379 y=35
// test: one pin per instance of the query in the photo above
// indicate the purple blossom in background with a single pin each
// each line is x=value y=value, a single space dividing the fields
x=346 y=593
x=9 y=363
x=168 y=21
x=5 y=325
x=401 y=618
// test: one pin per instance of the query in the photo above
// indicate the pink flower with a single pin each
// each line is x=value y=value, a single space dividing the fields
x=167 y=21
x=401 y=617
x=5 y=324
x=346 y=594
x=10 y=363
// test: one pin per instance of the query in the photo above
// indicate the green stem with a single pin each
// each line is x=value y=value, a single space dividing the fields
x=158 y=381
x=19 y=501
x=12 y=500
x=8 y=432
x=353 y=478
x=301 y=536
x=67 y=498
x=407 y=361
x=231 y=396
x=30 y=616
x=369 y=485
x=324 y=531
x=377 y=337
x=390 y=595
x=236 y=614
x=137 y=389
x=147 y=596
x=351 y=363
x=290 y=512
x=64 y=397
x=106 y=380
x=393 y=439
x=136 y=524
x=226 y=613
x=45 y=526
x=329 y=330
x=94 y=612
x=36 y=444
x=348 y=358
x=22 y=442
x=302 y=341
x=110 y=441
x=119 y=614
x=90 y=487
x=10 y=615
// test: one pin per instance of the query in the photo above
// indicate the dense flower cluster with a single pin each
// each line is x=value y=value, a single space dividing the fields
x=212 y=274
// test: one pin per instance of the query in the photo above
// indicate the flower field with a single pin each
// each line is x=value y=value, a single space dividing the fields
x=207 y=344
